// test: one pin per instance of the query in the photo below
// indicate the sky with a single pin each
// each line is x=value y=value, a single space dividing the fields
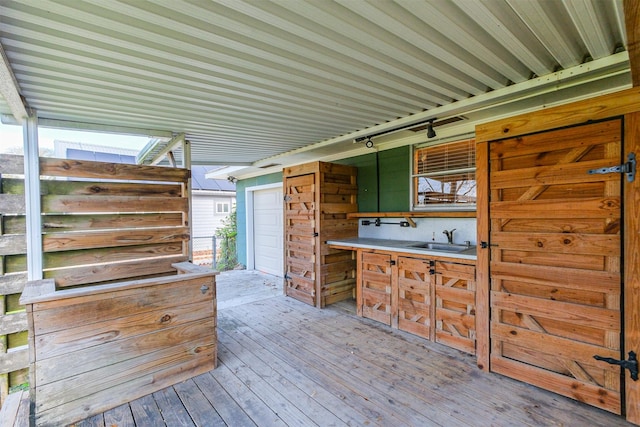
x=11 y=138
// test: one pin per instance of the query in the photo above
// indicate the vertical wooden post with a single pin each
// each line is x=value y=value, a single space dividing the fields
x=186 y=163
x=482 y=262
x=632 y=266
x=32 y=197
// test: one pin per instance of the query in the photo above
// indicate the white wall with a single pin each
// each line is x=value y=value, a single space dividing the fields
x=427 y=229
x=203 y=213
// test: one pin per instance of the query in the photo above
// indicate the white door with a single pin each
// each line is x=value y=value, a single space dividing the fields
x=268 y=231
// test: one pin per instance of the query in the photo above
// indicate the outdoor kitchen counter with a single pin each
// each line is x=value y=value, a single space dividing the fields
x=405 y=246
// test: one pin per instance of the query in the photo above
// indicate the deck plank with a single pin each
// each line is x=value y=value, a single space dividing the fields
x=407 y=404
x=259 y=412
x=201 y=411
x=344 y=352
x=281 y=406
x=170 y=405
x=95 y=421
x=229 y=410
x=146 y=412
x=371 y=403
x=314 y=390
x=414 y=373
x=120 y=416
x=289 y=390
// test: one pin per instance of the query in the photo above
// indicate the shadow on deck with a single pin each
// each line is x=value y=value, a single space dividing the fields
x=282 y=362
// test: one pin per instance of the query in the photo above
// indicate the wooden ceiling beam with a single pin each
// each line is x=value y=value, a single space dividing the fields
x=632 y=23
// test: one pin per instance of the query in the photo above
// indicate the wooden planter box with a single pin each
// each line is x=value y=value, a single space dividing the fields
x=97 y=347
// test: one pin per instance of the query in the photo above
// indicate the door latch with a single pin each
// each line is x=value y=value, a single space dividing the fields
x=628 y=168
x=631 y=364
x=485 y=245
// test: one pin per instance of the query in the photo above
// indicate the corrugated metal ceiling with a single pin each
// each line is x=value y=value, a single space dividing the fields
x=248 y=80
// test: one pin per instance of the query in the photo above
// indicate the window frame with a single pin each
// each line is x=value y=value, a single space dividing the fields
x=413 y=176
x=223 y=212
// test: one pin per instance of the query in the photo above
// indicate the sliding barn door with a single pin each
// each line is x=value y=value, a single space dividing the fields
x=555 y=261
x=300 y=238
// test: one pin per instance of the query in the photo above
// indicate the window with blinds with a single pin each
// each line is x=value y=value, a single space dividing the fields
x=444 y=176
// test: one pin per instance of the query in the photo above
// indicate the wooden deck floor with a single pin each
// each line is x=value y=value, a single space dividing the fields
x=283 y=363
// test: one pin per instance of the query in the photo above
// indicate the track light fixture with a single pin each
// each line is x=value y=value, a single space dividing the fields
x=430 y=132
x=368 y=143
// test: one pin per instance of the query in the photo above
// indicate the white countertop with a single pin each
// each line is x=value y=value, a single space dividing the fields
x=407 y=246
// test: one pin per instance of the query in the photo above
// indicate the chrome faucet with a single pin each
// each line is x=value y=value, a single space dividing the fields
x=449 y=234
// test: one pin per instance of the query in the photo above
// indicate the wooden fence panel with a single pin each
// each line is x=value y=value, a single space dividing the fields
x=101 y=222
x=14 y=356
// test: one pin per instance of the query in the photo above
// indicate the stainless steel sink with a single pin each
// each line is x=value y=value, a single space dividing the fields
x=443 y=247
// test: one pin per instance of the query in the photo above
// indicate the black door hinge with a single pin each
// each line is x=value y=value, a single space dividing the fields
x=628 y=168
x=631 y=364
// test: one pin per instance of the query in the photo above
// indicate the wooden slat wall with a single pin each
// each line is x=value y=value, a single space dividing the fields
x=109 y=221
x=337 y=194
x=101 y=222
x=117 y=342
x=319 y=198
x=14 y=355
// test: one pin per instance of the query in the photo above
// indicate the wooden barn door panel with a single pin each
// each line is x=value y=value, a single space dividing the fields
x=376 y=287
x=555 y=261
x=415 y=294
x=300 y=240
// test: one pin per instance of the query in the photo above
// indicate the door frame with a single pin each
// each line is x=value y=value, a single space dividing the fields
x=623 y=103
x=248 y=193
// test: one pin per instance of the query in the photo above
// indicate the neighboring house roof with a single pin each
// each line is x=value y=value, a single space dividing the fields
x=200 y=182
x=97 y=153
x=100 y=153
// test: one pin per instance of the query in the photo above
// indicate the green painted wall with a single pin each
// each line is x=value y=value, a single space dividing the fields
x=241 y=209
x=394 y=166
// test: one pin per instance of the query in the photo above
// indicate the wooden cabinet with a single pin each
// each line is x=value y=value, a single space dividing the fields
x=427 y=296
x=415 y=296
x=375 y=287
x=318 y=197
x=455 y=305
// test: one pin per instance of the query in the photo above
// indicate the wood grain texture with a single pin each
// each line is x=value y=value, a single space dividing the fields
x=632 y=24
x=483 y=257
x=102 y=170
x=556 y=290
x=53 y=242
x=119 y=345
x=363 y=373
x=632 y=264
x=318 y=198
x=602 y=107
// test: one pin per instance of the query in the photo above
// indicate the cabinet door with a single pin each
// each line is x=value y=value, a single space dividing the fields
x=415 y=294
x=375 y=287
x=300 y=238
x=455 y=295
x=555 y=261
